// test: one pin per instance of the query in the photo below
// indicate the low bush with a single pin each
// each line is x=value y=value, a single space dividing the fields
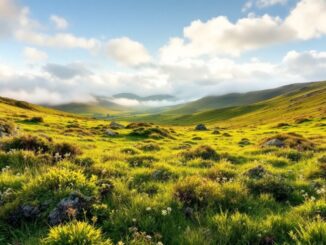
x=27 y=143
x=141 y=161
x=75 y=233
x=7 y=128
x=35 y=120
x=66 y=150
x=204 y=152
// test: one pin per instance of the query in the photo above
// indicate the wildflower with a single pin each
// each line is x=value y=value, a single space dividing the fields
x=169 y=209
x=312 y=198
x=148 y=209
x=134 y=220
x=159 y=243
x=148 y=237
x=164 y=212
x=120 y=243
x=94 y=219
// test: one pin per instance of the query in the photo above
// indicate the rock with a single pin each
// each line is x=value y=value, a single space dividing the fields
x=189 y=212
x=68 y=208
x=24 y=213
x=257 y=172
x=274 y=142
x=109 y=132
x=115 y=125
x=201 y=127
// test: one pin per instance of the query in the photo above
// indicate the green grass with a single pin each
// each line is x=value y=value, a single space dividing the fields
x=171 y=189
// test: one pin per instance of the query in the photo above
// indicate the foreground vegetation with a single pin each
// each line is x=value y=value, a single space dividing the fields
x=73 y=180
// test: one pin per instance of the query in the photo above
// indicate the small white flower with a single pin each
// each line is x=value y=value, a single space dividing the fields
x=164 y=212
x=169 y=209
x=159 y=243
x=134 y=220
x=148 y=209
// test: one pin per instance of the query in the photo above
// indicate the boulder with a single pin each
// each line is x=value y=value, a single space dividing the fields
x=109 y=132
x=115 y=125
x=24 y=213
x=69 y=208
x=200 y=127
x=274 y=142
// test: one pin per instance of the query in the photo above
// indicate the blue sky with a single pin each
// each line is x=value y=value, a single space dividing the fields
x=186 y=48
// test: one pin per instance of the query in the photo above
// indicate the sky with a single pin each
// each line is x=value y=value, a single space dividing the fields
x=59 y=51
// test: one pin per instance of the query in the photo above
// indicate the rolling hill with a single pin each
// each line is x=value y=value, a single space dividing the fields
x=304 y=100
x=233 y=99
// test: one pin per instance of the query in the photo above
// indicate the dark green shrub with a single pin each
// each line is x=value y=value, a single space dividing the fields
x=66 y=150
x=204 y=152
x=141 y=161
x=27 y=143
x=281 y=189
x=35 y=120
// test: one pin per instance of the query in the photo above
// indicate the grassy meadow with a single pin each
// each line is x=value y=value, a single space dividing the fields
x=68 y=179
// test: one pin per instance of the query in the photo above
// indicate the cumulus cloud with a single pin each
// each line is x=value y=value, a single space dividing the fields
x=128 y=52
x=34 y=55
x=221 y=36
x=59 y=22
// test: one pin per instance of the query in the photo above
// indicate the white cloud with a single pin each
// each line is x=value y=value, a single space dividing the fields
x=220 y=36
x=59 y=40
x=59 y=22
x=128 y=52
x=34 y=55
x=308 y=19
x=262 y=4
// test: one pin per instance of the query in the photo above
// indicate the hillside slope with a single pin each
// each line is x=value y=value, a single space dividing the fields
x=233 y=99
x=307 y=101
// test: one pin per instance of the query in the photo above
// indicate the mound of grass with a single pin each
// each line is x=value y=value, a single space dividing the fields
x=149 y=147
x=27 y=143
x=75 y=233
x=292 y=140
x=7 y=128
x=138 y=125
x=141 y=161
x=204 y=152
x=150 y=132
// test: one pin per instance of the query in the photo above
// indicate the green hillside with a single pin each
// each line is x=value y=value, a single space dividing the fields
x=233 y=99
x=304 y=101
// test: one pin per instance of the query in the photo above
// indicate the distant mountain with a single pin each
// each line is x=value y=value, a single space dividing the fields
x=131 y=96
x=233 y=99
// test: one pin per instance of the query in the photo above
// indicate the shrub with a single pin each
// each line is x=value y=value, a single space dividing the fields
x=244 y=142
x=204 y=152
x=75 y=233
x=35 y=120
x=66 y=150
x=138 y=125
x=141 y=161
x=151 y=132
x=23 y=159
x=278 y=187
x=292 y=140
x=196 y=191
x=58 y=183
x=7 y=128
x=149 y=147
x=85 y=162
x=129 y=151
x=220 y=174
x=27 y=143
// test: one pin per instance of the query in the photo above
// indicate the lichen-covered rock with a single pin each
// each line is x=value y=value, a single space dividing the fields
x=69 y=208
x=109 y=132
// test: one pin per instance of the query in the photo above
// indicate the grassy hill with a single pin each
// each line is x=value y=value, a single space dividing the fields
x=233 y=99
x=306 y=100
x=64 y=176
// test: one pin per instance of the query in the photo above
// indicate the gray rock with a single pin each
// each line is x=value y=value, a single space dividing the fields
x=109 y=132
x=274 y=142
x=24 y=213
x=68 y=208
x=200 y=127
x=115 y=125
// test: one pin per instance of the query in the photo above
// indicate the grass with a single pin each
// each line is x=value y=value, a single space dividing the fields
x=157 y=184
